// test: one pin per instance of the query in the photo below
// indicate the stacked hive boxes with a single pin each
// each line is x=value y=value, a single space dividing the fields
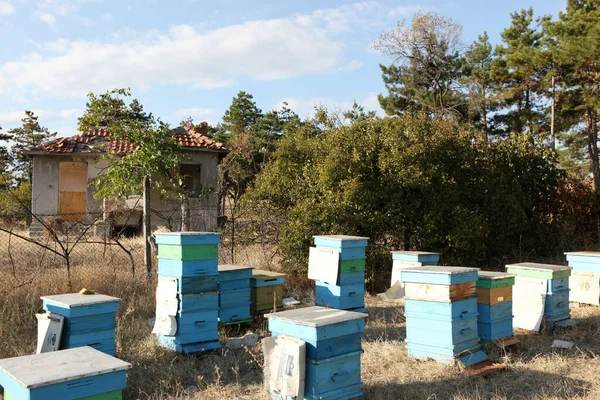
x=234 y=293
x=192 y=259
x=441 y=314
x=556 y=309
x=494 y=305
x=82 y=373
x=584 y=282
x=349 y=293
x=89 y=320
x=410 y=259
x=333 y=349
x=266 y=291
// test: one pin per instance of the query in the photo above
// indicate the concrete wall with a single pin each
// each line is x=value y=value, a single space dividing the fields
x=204 y=211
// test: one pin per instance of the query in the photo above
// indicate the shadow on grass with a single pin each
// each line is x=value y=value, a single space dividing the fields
x=511 y=384
x=385 y=323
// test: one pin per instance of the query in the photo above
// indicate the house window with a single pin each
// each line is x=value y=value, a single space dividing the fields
x=191 y=174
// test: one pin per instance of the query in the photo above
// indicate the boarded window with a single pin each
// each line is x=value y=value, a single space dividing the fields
x=72 y=188
x=191 y=178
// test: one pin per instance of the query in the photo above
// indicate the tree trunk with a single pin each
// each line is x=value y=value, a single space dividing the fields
x=484 y=116
x=147 y=227
x=185 y=215
x=552 y=133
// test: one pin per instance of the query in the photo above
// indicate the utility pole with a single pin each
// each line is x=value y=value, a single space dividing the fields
x=147 y=228
x=552 y=133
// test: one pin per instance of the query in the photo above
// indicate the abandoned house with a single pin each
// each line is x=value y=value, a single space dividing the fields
x=64 y=170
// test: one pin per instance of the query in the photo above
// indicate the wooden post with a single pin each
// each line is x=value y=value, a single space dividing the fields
x=552 y=133
x=185 y=215
x=147 y=228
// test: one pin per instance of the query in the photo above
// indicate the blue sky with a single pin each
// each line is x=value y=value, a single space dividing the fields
x=191 y=57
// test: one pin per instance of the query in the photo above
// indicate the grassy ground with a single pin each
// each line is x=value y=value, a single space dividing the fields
x=535 y=370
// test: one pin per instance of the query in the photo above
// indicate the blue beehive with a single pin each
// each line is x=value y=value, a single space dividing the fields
x=441 y=314
x=234 y=293
x=333 y=349
x=89 y=320
x=348 y=293
x=423 y=257
x=191 y=259
x=80 y=373
x=585 y=278
x=556 y=308
x=494 y=305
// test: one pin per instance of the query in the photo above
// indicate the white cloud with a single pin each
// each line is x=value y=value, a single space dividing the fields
x=48 y=19
x=13 y=118
x=107 y=16
x=6 y=8
x=195 y=112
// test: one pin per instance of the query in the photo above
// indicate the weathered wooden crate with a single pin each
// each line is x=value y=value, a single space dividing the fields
x=187 y=238
x=423 y=257
x=89 y=320
x=332 y=348
x=80 y=373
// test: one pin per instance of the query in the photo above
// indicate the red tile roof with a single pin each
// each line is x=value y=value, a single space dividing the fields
x=98 y=141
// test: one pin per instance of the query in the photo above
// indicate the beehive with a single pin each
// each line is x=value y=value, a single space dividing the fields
x=494 y=305
x=556 y=309
x=80 y=373
x=333 y=349
x=584 y=281
x=441 y=314
x=192 y=259
x=234 y=293
x=348 y=293
x=89 y=320
x=410 y=259
x=266 y=291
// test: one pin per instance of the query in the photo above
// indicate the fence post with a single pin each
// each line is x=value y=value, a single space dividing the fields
x=147 y=228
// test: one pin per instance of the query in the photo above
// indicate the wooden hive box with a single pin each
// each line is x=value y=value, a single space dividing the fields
x=188 y=254
x=80 y=373
x=340 y=242
x=345 y=297
x=333 y=340
x=434 y=283
x=584 y=261
x=494 y=295
x=89 y=320
x=266 y=291
x=423 y=257
x=234 y=293
x=537 y=270
x=187 y=238
x=494 y=287
x=189 y=268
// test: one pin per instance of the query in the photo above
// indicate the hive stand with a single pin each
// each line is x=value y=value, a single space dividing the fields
x=89 y=320
x=192 y=259
x=348 y=293
x=556 y=309
x=333 y=349
x=494 y=305
x=234 y=294
x=80 y=373
x=441 y=314
x=266 y=291
x=584 y=281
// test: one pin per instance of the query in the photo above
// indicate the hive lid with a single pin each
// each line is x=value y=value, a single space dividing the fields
x=45 y=369
x=584 y=253
x=315 y=316
x=416 y=253
x=187 y=234
x=76 y=300
x=259 y=274
x=435 y=269
x=539 y=267
x=341 y=237
x=231 y=267
x=493 y=275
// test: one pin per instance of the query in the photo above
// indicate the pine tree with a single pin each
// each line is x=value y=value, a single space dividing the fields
x=30 y=134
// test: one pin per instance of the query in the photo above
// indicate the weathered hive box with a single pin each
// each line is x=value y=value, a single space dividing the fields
x=441 y=314
x=80 y=373
x=584 y=282
x=556 y=307
x=266 y=291
x=89 y=320
x=402 y=260
x=234 y=293
x=348 y=292
x=333 y=348
x=191 y=259
x=494 y=297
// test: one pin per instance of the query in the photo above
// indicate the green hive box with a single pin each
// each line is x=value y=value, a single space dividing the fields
x=536 y=270
x=188 y=252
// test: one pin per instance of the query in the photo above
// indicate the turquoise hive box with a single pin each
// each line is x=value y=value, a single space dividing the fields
x=234 y=293
x=348 y=292
x=89 y=320
x=191 y=258
x=423 y=257
x=441 y=314
x=80 y=373
x=495 y=320
x=333 y=349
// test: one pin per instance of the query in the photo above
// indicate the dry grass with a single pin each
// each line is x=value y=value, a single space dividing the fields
x=536 y=371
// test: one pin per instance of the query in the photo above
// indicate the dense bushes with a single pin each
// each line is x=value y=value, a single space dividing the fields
x=416 y=183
